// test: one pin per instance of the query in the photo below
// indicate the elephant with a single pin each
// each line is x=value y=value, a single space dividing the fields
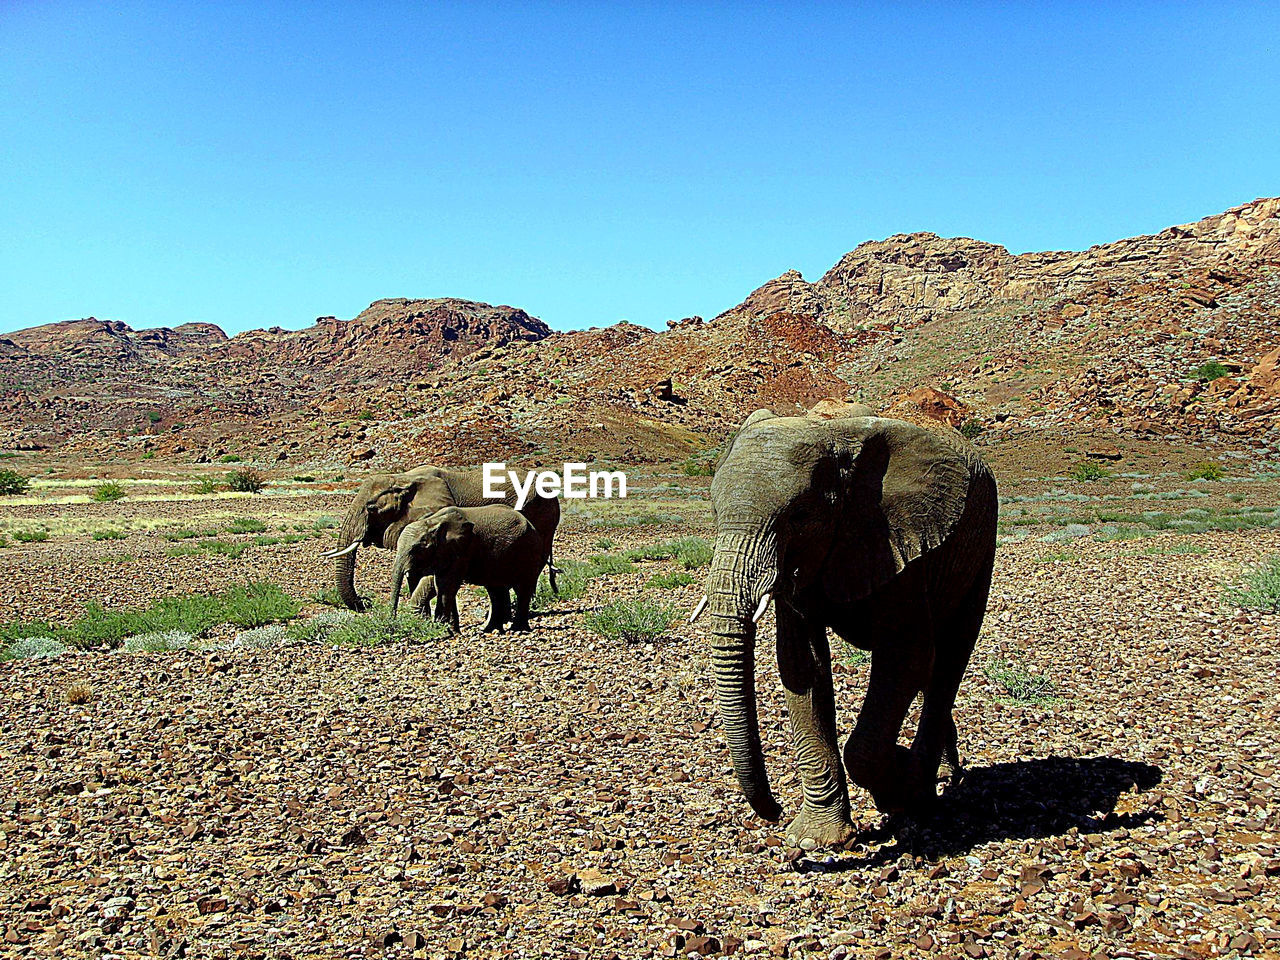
x=494 y=547
x=883 y=531
x=387 y=503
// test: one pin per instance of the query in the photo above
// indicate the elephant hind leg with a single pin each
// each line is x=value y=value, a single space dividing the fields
x=499 y=608
x=900 y=668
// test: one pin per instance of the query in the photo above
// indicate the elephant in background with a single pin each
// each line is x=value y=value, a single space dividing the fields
x=883 y=531
x=387 y=503
x=494 y=547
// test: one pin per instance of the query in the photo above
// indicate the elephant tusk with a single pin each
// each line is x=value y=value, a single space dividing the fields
x=764 y=602
x=697 y=611
x=335 y=552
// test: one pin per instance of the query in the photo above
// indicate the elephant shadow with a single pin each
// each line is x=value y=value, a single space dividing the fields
x=1025 y=800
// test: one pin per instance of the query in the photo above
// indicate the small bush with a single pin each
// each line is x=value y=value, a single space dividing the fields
x=1207 y=470
x=159 y=641
x=604 y=543
x=31 y=536
x=1087 y=472
x=698 y=466
x=608 y=565
x=571 y=583
x=328 y=596
x=694 y=552
x=1259 y=588
x=320 y=626
x=303 y=478
x=635 y=621
x=669 y=581
x=230 y=458
x=246 y=525
x=108 y=492
x=79 y=693
x=207 y=485
x=26 y=647
x=109 y=534
x=1213 y=370
x=378 y=627
x=852 y=656
x=13 y=483
x=260 y=638
x=1019 y=682
x=248 y=480
x=183 y=533
x=971 y=429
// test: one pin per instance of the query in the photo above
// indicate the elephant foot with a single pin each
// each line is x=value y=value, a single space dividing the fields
x=817 y=827
x=491 y=627
x=521 y=627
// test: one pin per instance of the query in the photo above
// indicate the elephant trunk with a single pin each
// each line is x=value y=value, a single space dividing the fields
x=738 y=580
x=354 y=528
x=397 y=577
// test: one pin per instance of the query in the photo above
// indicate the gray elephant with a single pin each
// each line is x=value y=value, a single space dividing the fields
x=882 y=531
x=387 y=503
x=493 y=547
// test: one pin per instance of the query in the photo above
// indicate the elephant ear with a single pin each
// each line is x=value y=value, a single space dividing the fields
x=900 y=492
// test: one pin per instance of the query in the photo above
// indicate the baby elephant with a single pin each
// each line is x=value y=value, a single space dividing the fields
x=494 y=547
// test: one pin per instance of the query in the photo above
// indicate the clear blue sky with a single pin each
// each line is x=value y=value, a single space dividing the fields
x=253 y=164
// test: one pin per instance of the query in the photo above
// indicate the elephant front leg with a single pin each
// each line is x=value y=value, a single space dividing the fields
x=804 y=662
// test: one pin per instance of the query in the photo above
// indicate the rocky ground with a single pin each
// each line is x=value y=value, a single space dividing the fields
x=559 y=794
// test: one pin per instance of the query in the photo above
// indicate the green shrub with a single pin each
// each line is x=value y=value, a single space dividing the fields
x=30 y=536
x=1259 y=588
x=13 y=483
x=852 y=656
x=230 y=458
x=604 y=543
x=303 y=478
x=109 y=534
x=247 y=480
x=328 y=596
x=1206 y=470
x=1213 y=370
x=669 y=581
x=693 y=552
x=207 y=485
x=246 y=525
x=378 y=627
x=149 y=455
x=1019 y=682
x=108 y=492
x=184 y=533
x=320 y=626
x=260 y=638
x=631 y=621
x=971 y=429
x=571 y=583
x=1088 y=472
x=607 y=565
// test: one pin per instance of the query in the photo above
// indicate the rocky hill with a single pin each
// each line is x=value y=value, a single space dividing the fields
x=1172 y=337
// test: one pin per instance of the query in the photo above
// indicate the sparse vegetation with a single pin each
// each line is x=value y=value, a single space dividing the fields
x=699 y=465
x=109 y=534
x=13 y=483
x=1206 y=470
x=631 y=621
x=246 y=525
x=1087 y=472
x=378 y=627
x=208 y=485
x=971 y=429
x=220 y=547
x=230 y=458
x=78 y=693
x=108 y=492
x=1018 y=682
x=850 y=655
x=30 y=536
x=158 y=641
x=1259 y=588
x=248 y=480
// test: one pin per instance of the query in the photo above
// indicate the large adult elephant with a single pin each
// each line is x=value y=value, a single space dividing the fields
x=883 y=531
x=387 y=503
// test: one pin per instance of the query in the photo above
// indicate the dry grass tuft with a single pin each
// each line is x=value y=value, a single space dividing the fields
x=78 y=693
